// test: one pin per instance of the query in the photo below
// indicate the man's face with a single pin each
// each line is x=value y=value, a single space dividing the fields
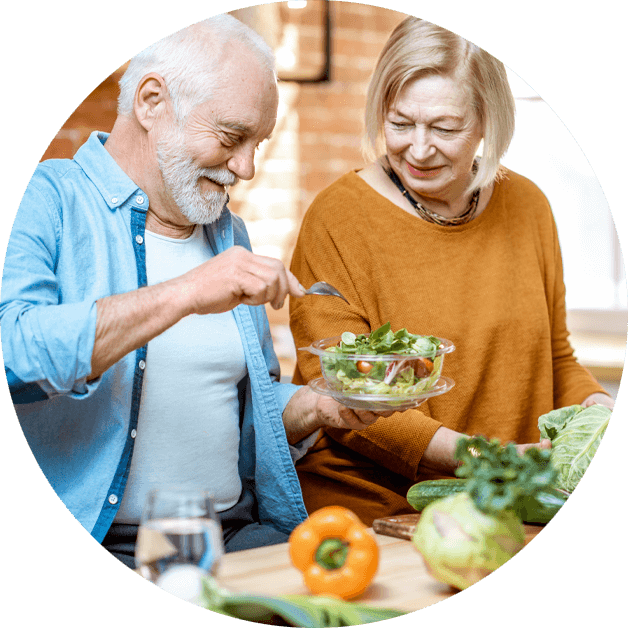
x=182 y=179
x=216 y=147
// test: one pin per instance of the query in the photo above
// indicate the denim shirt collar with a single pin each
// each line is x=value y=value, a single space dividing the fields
x=110 y=180
x=116 y=187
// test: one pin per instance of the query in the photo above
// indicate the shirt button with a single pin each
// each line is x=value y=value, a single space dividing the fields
x=113 y=499
x=142 y=365
x=133 y=433
x=139 y=200
x=139 y=239
x=114 y=199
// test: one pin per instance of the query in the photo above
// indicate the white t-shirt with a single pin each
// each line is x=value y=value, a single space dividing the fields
x=188 y=427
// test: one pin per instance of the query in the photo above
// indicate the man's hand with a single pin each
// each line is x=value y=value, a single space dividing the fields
x=127 y=321
x=308 y=411
x=238 y=276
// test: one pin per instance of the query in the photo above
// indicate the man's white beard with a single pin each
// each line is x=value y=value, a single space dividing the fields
x=181 y=177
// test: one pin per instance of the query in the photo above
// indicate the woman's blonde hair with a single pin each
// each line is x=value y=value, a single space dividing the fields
x=417 y=48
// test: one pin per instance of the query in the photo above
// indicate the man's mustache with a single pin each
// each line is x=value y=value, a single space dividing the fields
x=221 y=176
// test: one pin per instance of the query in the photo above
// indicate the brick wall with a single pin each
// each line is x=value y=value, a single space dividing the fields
x=96 y=112
x=318 y=132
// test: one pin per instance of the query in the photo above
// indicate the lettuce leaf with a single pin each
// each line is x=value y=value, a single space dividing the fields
x=383 y=341
x=575 y=433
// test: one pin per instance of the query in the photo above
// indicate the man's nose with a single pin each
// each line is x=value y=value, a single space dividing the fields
x=242 y=163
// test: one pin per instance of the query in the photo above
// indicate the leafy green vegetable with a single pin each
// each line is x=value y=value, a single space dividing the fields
x=291 y=610
x=383 y=341
x=575 y=432
x=403 y=377
x=466 y=536
x=499 y=478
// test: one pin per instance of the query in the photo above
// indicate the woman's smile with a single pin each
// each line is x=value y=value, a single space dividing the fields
x=424 y=173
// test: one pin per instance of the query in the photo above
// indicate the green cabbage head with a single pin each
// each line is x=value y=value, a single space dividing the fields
x=460 y=544
x=575 y=433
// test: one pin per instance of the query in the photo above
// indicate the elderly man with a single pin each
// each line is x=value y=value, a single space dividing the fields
x=134 y=335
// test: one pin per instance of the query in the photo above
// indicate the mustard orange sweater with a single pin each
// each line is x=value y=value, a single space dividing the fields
x=494 y=287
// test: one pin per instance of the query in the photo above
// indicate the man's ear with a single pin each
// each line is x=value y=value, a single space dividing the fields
x=151 y=97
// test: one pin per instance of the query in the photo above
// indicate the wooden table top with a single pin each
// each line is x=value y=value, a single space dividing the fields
x=402 y=581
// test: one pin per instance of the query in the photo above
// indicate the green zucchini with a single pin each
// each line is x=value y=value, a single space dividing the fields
x=424 y=493
x=538 y=509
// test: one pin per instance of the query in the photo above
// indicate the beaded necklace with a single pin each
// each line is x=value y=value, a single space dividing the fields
x=429 y=215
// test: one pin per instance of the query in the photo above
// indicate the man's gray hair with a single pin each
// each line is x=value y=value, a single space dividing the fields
x=189 y=61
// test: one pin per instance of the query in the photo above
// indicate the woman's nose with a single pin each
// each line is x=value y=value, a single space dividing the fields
x=421 y=147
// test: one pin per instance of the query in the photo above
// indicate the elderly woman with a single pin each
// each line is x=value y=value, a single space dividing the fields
x=440 y=242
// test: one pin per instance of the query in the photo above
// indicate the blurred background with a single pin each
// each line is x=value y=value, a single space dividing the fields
x=325 y=52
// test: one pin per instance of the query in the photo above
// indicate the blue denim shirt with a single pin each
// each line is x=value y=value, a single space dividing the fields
x=79 y=236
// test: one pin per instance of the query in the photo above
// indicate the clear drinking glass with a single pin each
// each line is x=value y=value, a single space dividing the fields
x=179 y=540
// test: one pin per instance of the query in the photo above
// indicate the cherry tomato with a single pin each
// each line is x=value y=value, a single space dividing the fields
x=363 y=366
x=422 y=367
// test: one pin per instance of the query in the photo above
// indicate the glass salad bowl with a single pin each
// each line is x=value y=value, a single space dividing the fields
x=383 y=370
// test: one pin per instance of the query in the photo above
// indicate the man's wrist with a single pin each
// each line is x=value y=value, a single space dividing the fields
x=301 y=417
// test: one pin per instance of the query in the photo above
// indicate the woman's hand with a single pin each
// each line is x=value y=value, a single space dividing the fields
x=599 y=398
x=545 y=443
x=439 y=454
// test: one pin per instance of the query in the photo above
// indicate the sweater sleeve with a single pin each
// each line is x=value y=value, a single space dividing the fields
x=329 y=248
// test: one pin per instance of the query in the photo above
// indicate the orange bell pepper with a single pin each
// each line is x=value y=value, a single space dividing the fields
x=335 y=552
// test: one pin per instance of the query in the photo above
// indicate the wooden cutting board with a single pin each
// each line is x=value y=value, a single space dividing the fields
x=402 y=526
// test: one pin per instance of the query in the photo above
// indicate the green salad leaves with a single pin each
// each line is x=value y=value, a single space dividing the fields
x=383 y=341
x=417 y=369
x=575 y=432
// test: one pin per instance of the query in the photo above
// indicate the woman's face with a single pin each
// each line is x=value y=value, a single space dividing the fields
x=432 y=136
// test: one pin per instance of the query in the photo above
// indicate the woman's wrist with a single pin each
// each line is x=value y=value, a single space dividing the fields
x=439 y=454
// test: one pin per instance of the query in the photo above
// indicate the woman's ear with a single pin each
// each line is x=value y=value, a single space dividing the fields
x=151 y=96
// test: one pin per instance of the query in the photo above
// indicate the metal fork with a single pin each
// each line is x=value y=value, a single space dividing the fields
x=321 y=287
